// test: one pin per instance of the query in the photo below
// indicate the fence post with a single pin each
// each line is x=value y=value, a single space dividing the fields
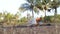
x=56 y=26
x=14 y=30
x=4 y=31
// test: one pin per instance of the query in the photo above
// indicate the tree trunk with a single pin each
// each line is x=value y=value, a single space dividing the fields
x=45 y=13
x=32 y=11
x=32 y=14
x=45 y=17
x=27 y=14
x=55 y=14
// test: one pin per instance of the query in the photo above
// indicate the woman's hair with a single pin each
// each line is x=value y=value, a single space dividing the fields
x=38 y=20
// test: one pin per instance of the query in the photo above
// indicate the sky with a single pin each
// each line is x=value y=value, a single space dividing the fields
x=13 y=5
x=10 y=5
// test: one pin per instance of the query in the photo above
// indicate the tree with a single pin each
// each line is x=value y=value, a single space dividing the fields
x=7 y=18
x=29 y=6
x=46 y=6
x=54 y=5
x=1 y=18
x=43 y=5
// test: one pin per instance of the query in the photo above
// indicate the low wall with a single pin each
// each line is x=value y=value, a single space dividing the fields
x=31 y=30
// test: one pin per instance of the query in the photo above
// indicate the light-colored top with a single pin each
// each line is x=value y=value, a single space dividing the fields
x=32 y=21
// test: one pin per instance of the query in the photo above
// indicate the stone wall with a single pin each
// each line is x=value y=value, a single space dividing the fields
x=31 y=30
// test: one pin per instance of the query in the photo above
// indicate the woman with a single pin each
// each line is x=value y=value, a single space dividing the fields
x=39 y=21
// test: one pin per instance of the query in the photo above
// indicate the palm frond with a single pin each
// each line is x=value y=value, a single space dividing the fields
x=21 y=9
x=44 y=2
x=24 y=7
x=54 y=3
x=30 y=1
x=58 y=2
x=36 y=10
x=39 y=5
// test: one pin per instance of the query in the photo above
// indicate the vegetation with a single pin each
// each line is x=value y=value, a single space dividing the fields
x=30 y=6
x=54 y=5
x=33 y=6
x=10 y=19
x=36 y=5
x=23 y=20
x=51 y=19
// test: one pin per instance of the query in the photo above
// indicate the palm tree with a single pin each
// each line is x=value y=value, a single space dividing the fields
x=46 y=6
x=34 y=5
x=29 y=6
x=43 y=5
x=54 y=5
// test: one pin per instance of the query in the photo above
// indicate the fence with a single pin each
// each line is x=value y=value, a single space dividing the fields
x=55 y=29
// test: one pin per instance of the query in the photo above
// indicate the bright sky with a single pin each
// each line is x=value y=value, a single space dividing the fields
x=10 y=5
x=13 y=5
